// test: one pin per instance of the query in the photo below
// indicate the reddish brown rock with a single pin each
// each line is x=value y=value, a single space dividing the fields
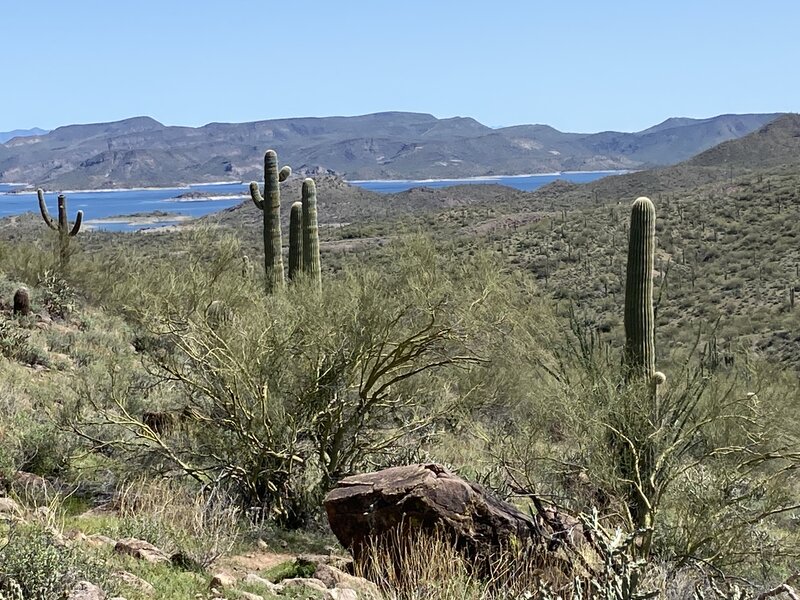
x=429 y=497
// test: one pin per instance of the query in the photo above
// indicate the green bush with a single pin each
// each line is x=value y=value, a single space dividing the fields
x=37 y=565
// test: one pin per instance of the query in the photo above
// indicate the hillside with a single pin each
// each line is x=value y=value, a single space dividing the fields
x=155 y=395
x=393 y=145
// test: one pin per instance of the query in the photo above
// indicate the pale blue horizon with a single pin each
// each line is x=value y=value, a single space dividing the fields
x=581 y=66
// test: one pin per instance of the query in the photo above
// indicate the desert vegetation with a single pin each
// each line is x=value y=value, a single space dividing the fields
x=163 y=389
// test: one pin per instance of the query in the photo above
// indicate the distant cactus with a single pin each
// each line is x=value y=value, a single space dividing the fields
x=295 y=241
x=270 y=204
x=247 y=267
x=311 y=263
x=640 y=350
x=64 y=232
x=22 y=302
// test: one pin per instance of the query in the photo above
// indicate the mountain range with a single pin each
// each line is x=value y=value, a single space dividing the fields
x=391 y=145
x=8 y=135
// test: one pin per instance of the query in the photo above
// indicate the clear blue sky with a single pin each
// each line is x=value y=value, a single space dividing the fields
x=579 y=66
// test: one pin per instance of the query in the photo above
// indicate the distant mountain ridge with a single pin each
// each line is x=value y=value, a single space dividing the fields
x=8 y=135
x=393 y=145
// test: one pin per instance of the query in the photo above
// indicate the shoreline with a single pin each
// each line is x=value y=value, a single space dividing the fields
x=489 y=177
x=189 y=186
x=349 y=181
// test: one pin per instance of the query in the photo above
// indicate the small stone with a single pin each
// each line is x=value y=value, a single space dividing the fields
x=136 y=582
x=308 y=583
x=222 y=581
x=262 y=544
x=272 y=588
x=9 y=508
x=98 y=540
x=341 y=594
x=249 y=596
x=85 y=590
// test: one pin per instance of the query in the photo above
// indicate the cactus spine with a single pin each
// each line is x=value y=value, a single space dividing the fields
x=295 y=241
x=639 y=317
x=270 y=205
x=311 y=263
x=63 y=229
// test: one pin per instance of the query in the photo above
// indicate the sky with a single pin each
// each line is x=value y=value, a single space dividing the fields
x=582 y=66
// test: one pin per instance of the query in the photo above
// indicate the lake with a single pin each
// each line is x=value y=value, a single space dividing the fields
x=105 y=204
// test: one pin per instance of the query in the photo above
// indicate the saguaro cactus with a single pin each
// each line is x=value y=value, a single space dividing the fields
x=639 y=318
x=295 y=240
x=63 y=229
x=311 y=265
x=270 y=204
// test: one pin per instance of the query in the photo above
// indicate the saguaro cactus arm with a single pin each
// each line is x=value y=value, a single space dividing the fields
x=255 y=194
x=43 y=209
x=77 y=227
x=639 y=316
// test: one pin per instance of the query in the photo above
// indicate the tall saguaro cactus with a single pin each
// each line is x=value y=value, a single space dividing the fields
x=270 y=205
x=639 y=316
x=63 y=229
x=295 y=240
x=311 y=264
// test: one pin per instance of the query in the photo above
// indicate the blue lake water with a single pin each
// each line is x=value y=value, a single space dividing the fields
x=105 y=204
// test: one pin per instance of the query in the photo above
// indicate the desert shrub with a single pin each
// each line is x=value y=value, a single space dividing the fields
x=276 y=398
x=34 y=565
x=57 y=296
x=177 y=518
x=705 y=457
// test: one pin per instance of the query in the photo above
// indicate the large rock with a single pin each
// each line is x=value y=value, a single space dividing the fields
x=142 y=550
x=429 y=497
x=85 y=590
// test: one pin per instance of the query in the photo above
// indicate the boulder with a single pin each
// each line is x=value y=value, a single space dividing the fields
x=336 y=578
x=341 y=594
x=253 y=579
x=9 y=509
x=304 y=584
x=142 y=550
x=137 y=583
x=222 y=581
x=428 y=497
x=85 y=590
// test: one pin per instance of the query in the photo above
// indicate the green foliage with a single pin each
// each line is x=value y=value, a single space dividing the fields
x=56 y=295
x=286 y=397
x=34 y=565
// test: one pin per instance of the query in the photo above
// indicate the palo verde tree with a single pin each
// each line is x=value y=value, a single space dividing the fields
x=62 y=227
x=275 y=405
